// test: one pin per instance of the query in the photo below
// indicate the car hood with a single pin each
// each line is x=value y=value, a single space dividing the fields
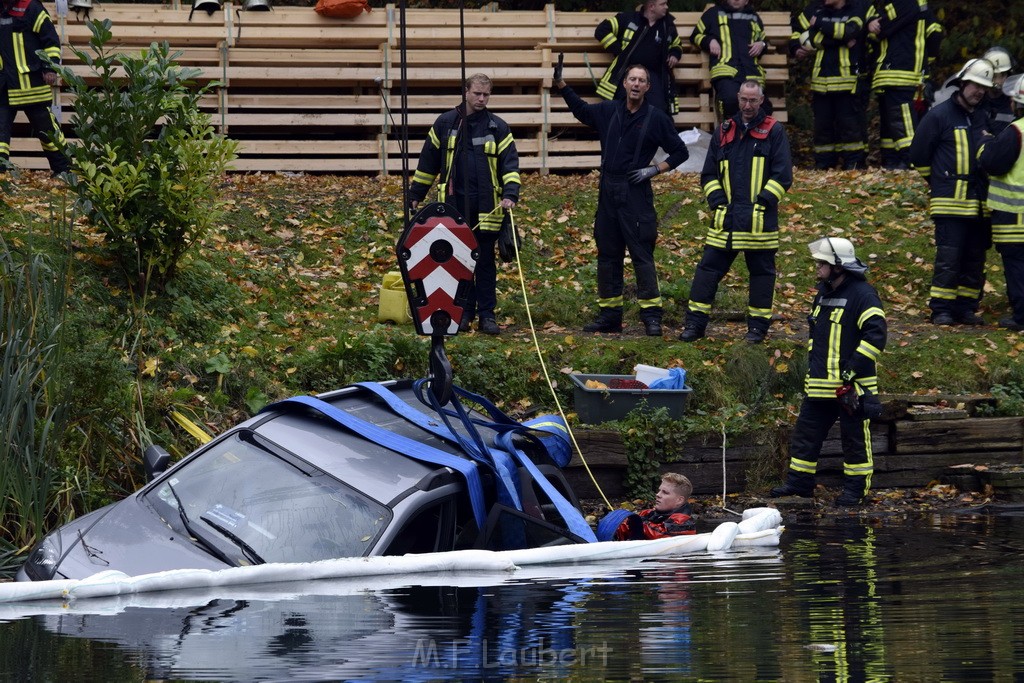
x=130 y=537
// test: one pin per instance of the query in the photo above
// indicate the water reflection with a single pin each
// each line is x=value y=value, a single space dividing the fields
x=932 y=598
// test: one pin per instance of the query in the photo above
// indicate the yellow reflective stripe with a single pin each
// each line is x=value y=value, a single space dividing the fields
x=835 y=334
x=869 y=313
x=869 y=350
x=759 y=312
x=712 y=186
x=649 y=303
x=698 y=307
x=968 y=292
x=725 y=39
x=422 y=178
x=511 y=177
x=954 y=207
x=723 y=173
x=611 y=302
x=775 y=188
x=503 y=145
x=756 y=177
x=942 y=293
x=802 y=465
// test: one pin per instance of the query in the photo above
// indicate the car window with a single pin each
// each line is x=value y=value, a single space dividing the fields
x=282 y=510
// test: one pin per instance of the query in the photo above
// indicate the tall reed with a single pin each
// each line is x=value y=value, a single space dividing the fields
x=33 y=412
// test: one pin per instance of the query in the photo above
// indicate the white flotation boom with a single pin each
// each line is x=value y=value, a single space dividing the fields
x=760 y=527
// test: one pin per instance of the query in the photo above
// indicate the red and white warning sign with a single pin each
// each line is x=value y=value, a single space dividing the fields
x=437 y=255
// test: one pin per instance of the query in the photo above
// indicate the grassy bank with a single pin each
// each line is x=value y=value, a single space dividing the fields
x=282 y=299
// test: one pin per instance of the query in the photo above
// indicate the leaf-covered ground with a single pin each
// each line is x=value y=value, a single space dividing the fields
x=282 y=298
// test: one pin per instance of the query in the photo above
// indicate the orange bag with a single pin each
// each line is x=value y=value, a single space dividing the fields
x=346 y=9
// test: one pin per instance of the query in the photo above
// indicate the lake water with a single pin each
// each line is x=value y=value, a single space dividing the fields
x=925 y=598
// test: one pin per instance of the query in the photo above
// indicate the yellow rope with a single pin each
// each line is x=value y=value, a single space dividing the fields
x=191 y=427
x=543 y=365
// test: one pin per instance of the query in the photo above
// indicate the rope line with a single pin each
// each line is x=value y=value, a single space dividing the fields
x=544 y=367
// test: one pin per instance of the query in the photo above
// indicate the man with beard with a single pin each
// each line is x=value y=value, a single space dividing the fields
x=945 y=153
x=631 y=131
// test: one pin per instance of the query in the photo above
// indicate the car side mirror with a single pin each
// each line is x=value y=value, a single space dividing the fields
x=155 y=459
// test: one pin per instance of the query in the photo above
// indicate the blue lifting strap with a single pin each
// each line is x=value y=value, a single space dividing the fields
x=399 y=444
x=506 y=428
x=499 y=462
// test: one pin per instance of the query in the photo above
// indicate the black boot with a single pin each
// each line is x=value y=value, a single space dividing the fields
x=796 y=484
x=609 y=320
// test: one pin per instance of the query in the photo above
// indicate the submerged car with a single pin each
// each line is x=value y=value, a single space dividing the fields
x=366 y=470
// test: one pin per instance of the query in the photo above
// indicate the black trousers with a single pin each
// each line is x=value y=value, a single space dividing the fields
x=897 y=122
x=713 y=266
x=45 y=128
x=959 y=275
x=626 y=220
x=1013 y=267
x=812 y=426
x=837 y=130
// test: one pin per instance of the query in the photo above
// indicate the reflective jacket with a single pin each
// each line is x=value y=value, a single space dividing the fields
x=747 y=171
x=735 y=31
x=24 y=29
x=836 y=63
x=944 y=151
x=654 y=524
x=906 y=44
x=493 y=161
x=621 y=34
x=847 y=334
x=1003 y=160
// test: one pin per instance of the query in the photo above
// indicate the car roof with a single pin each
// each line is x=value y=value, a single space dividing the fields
x=372 y=469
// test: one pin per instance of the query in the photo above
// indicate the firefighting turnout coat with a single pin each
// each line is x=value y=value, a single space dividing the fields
x=836 y=64
x=907 y=42
x=1003 y=159
x=24 y=29
x=745 y=175
x=493 y=161
x=621 y=34
x=847 y=334
x=735 y=31
x=945 y=152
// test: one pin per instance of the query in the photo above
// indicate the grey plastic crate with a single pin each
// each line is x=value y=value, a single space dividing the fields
x=594 y=406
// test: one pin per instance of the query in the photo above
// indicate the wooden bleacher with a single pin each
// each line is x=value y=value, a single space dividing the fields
x=301 y=92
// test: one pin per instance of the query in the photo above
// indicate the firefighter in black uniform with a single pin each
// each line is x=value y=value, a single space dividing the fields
x=997 y=105
x=647 y=36
x=1003 y=159
x=631 y=132
x=905 y=35
x=481 y=179
x=746 y=173
x=25 y=27
x=847 y=335
x=831 y=32
x=945 y=153
x=733 y=35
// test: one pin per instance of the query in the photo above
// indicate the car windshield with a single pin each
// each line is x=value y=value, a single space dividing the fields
x=261 y=503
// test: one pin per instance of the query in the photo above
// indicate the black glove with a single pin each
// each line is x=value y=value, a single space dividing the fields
x=848 y=399
x=639 y=175
x=558 y=68
x=636 y=527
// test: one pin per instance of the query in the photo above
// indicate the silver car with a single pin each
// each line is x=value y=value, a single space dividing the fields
x=291 y=485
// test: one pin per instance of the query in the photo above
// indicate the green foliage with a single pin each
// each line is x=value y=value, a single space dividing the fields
x=33 y=405
x=148 y=164
x=650 y=438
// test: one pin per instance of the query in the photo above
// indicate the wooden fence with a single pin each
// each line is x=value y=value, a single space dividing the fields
x=306 y=93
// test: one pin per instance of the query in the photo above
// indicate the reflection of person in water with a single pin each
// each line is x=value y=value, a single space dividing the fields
x=670 y=516
x=667 y=640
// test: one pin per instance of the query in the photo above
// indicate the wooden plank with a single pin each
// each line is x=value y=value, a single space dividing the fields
x=977 y=434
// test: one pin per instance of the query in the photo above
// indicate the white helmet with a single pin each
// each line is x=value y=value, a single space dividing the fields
x=837 y=251
x=978 y=71
x=1014 y=88
x=1000 y=58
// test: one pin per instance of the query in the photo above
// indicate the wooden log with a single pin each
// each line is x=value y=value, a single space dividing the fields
x=978 y=434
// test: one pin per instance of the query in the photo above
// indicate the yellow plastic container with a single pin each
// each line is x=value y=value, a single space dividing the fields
x=394 y=304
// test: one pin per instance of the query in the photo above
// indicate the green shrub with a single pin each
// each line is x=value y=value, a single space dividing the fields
x=148 y=164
